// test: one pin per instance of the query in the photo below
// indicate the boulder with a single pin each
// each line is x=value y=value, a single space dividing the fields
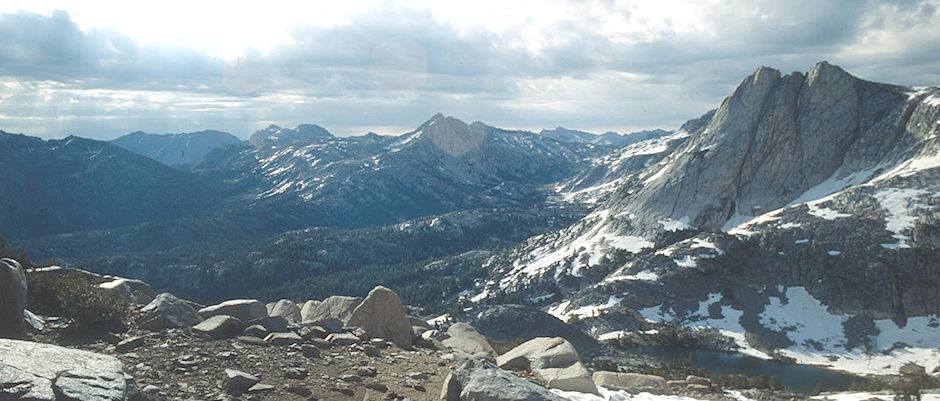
x=256 y=330
x=168 y=311
x=508 y=323
x=241 y=309
x=481 y=380
x=287 y=309
x=137 y=291
x=12 y=299
x=342 y=339
x=283 y=338
x=382 y=315
x=554 y=360
x=631 y=382
x=237 y=382
x=464 y=338
x=35 y=371
x=912 y=369
x=219 y=326
x=33 y=322
x=271 y=323
x=334 y=307
x=306 y=311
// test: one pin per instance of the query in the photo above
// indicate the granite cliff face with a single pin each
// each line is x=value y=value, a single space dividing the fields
x=818 y=191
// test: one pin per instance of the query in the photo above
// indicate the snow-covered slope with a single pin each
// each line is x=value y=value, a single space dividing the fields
x=817 y=187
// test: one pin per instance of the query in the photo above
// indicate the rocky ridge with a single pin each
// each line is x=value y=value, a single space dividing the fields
x=769 y=201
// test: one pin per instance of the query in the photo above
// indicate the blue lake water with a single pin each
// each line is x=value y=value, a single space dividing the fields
x=796 y=378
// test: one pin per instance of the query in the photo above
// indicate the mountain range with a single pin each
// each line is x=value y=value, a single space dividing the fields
x=808 y=197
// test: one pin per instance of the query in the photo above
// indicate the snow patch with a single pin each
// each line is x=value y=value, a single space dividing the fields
x=899 y=203
x=675 y=225
x=687 y=261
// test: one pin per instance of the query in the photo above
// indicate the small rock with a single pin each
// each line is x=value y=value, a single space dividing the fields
x=350 y=378
x=698 y=388
x=129 y=344
x=295 y=373
x=285 y=338
x=151 y=389
x=271 y=323
x=310 y=351
x=367 y=371
x=342 y=339
x=321 y=343
x=417 y=375
x=250 y=340
x=260 y=387
x=379 y=343
x=690 y=379
x=238 y=382
x=371 y=350
x=299 y=390
x=227 y=355
x=256 y=330
x=377 y=386
x=313 y=331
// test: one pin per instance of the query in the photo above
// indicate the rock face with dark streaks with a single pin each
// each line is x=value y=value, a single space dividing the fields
x=34 y=371
x=12 y=298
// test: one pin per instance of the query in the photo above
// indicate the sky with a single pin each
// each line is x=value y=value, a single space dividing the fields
x=101 y=69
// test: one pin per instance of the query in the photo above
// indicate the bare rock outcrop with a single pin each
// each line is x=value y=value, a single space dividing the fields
x=34 y=371
x=12 y=298
x=554 y=360
x=241 y=309
x=382 y=315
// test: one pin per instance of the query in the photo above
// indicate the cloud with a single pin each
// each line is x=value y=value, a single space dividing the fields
x=591 y=65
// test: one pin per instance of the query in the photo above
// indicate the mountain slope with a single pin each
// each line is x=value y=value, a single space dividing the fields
x=78 y=184
x=818 y=189
x=443 y=166
x=176 y=149
x=277 y=136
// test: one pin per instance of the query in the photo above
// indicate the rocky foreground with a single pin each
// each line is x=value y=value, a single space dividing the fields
x=341 y=348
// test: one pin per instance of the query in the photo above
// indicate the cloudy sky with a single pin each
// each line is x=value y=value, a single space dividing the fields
x=103 y=69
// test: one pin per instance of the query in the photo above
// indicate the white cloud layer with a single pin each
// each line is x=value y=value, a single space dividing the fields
x=103 y=69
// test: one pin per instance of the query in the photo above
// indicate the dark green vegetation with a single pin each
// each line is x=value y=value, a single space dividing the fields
x=426 y=261
x=8 y=251
x=75 y=295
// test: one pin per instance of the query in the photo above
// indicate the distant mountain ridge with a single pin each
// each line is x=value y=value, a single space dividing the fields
x=274 y=135
x=184 y=149
x=606 y=139
x=74 y=184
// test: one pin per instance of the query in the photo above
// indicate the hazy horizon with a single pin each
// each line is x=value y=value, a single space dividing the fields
x=102 y=70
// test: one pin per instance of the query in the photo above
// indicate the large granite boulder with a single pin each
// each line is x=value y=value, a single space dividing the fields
x=335 y=307
x=241 y=309
x=632 y=382
x=554 y=360
x=508 y=323
x=219 y=326
x=35 y=371
x=137 y=291
x=168 y=311
x=306 y=311
x=382 y=315
x=12 y=298
x=287 y=309
x=464 y=338
x=479 y=380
